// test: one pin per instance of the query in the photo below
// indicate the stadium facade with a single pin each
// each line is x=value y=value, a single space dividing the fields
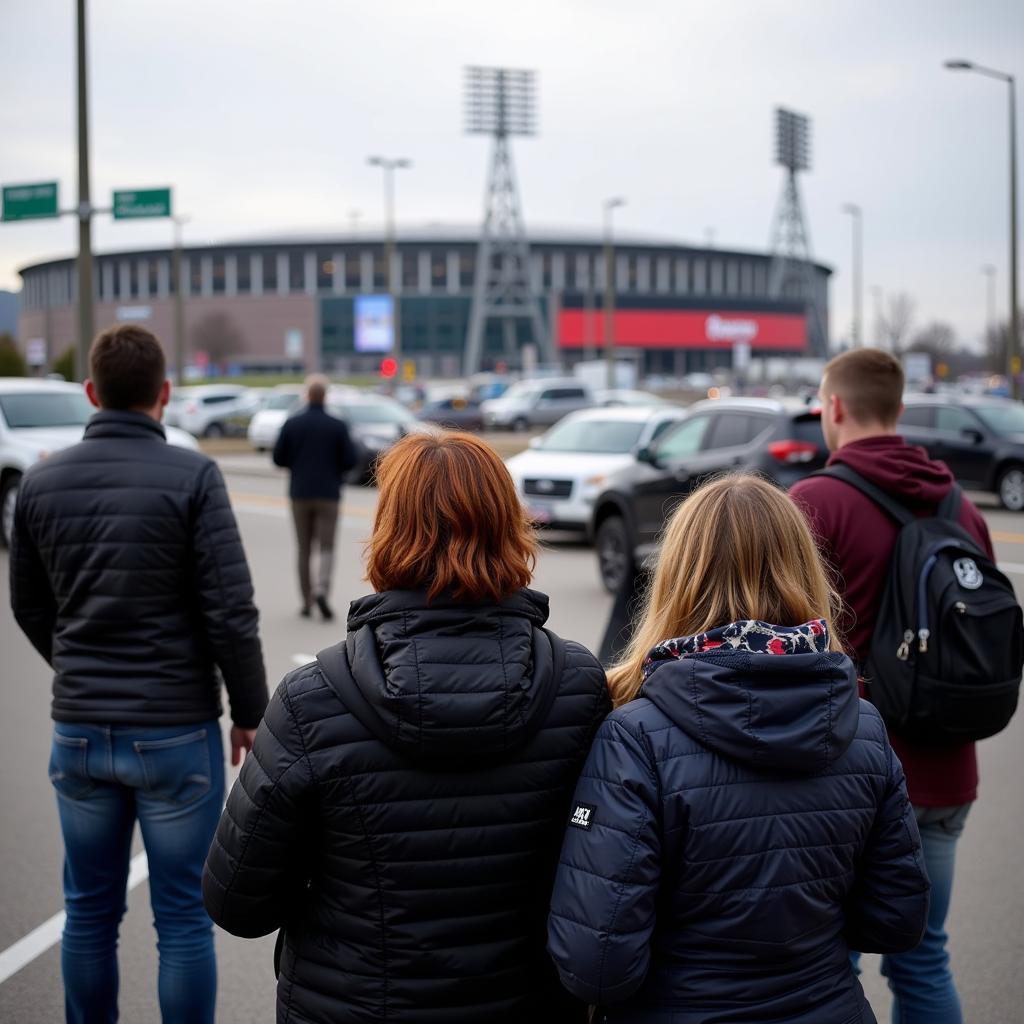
x=291 y=303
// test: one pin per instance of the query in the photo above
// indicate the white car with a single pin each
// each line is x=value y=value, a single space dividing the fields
x=283 y=401
x=38 y=418
x=276 y=407
x=212 y=410
x=563 y=471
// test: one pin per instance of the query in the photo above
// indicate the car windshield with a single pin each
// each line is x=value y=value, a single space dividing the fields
x=522 y=389
x=1003 y=419
x=281 y=401
x=46 y=409
x=609 y=436
x=375 y=412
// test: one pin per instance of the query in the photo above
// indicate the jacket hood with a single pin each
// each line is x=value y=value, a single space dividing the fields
x=449 y=680
x=900 y=469
x=794 y=713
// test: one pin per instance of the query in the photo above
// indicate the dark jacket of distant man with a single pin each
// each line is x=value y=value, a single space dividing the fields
x=318 y=450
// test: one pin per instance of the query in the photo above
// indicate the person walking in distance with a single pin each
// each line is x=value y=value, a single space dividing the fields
x=861 y=397
x=128 y=576
x=317 y=449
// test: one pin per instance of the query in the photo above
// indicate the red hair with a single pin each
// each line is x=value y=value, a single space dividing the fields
x=449 y=520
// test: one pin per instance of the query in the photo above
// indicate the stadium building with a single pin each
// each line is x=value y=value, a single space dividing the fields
x=294 y=303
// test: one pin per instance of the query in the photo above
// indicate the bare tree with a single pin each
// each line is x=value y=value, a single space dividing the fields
x=997 y=339
x=894 y=323
x=937 y=339
x=218 y=336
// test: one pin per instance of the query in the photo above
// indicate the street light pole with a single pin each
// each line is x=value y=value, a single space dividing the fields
x=1013 y=364
x=990 y=298
x=389 y=166
x=858 y=272
x=609 y=288
x=86 y=321
x=179 y=302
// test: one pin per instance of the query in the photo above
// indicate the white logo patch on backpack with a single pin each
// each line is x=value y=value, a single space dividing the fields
x=582 y=816
x=968 y=574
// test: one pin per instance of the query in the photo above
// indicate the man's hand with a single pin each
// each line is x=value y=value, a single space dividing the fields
x=241 y=743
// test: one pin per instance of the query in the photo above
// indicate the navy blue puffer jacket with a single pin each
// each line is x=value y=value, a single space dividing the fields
x=739 y=829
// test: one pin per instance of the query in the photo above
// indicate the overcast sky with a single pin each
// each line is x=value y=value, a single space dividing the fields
x=261 y=115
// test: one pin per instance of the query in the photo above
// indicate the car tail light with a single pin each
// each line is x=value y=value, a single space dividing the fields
x=793 y=452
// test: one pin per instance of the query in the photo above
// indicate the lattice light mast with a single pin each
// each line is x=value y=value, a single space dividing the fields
x=500 y=102
x=792 y=273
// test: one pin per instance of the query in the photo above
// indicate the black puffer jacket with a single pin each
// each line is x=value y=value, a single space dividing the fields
x=128 y=576
x=401 y=815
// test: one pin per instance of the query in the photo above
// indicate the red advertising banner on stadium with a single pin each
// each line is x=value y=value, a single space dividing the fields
x=686 y=328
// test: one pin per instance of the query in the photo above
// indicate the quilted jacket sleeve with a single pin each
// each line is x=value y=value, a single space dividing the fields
x=226 y=600
x=603 y=905
x=32 y=600
x=255 y=871
x=887 y=909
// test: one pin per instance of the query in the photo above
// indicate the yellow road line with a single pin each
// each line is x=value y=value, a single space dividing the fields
x=278 y=501
x=1008 y=538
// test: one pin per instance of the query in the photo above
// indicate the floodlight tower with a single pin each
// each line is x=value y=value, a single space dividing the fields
x=500 y=103
x=791 y=271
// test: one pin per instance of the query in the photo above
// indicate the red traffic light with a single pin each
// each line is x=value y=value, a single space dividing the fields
x=388 y=367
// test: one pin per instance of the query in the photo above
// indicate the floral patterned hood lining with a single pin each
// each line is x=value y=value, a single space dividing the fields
x=750 y=635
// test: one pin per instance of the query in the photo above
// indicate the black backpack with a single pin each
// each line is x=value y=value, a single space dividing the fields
x=947 y=653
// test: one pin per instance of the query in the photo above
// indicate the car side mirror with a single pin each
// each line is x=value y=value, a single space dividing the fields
x=535 y=442
x=972 y=435
x=648 y=455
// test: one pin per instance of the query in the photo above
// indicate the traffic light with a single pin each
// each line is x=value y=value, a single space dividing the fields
x=388 y=367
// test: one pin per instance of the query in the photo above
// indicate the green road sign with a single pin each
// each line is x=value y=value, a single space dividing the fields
x=28 y=202
x=149 y=202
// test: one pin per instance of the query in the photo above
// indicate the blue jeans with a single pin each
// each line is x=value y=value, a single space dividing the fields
x=172 y=779
x=921 y=981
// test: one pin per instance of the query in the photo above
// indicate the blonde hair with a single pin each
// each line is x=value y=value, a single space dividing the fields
x=738 y=548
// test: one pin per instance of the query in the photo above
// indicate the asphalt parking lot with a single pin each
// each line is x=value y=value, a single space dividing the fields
x=987 y=939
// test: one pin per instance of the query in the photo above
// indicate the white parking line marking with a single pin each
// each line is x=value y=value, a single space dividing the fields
x=40 y=939
x=302 y=659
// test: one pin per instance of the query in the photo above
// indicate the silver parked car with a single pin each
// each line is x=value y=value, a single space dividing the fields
x=536 y=403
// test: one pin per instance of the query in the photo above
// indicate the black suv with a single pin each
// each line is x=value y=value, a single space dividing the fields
x=980 y=439
x=780 y=439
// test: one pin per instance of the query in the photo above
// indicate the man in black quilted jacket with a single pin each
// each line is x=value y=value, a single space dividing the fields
x=129 y=578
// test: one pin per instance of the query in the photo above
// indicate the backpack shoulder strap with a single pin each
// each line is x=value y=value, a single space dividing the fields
x=884 y=501
x=949 y=508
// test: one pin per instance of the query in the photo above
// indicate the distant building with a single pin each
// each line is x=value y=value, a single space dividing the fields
x=9 y=313
x=289 y=303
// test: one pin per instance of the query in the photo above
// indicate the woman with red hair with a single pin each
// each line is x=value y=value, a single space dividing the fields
x=402 y=811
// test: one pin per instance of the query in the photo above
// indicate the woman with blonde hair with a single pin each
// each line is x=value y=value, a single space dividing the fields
x=401 y=812
x=741 y=823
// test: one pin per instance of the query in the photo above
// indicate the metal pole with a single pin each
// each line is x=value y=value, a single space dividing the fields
x=86 y=320
x=858 y=277
x=876 y=293
x=990 y=300
x=389 y=256
x=179 y=304
x=1013 y=348
x=609 y=290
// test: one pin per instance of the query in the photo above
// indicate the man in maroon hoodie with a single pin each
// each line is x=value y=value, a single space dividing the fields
x=862 y=399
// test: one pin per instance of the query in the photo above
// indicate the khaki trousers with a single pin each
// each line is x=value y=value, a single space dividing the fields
x=316 y=521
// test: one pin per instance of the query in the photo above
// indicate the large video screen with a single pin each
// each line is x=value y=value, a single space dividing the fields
x=374 y=323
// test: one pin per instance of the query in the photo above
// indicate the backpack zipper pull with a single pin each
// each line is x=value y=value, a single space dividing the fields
x=961 y=607
x=903 y=651
x=922 y=639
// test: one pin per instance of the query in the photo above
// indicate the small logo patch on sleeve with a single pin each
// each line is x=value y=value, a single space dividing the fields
x=583 y=816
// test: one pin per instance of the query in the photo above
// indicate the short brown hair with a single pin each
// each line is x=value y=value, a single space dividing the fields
x=449 y=521
x=870 y=383
x=127 y=367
